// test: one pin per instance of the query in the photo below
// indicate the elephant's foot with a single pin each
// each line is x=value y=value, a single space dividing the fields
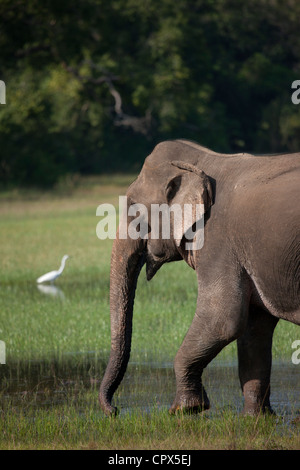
x=189 y=403
x=257 y=398
x=255 y=410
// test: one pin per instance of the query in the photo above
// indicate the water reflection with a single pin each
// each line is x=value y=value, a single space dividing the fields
x=145 y=385
x=51 y=290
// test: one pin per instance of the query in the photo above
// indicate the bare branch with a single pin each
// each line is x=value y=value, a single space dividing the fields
x=117 y=97
x=141 y=125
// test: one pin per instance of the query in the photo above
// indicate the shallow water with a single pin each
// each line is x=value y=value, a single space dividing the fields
x=152 y=382
x=220 y=381
x=52 y=383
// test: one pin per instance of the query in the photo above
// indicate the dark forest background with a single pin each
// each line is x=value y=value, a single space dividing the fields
x=93 y=85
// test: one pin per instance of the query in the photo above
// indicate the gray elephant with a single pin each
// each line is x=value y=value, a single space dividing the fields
x=248 y=268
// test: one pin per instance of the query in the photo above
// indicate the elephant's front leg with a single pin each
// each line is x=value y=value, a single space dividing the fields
x=255 y=360
x=196 y=351
x=216 y=323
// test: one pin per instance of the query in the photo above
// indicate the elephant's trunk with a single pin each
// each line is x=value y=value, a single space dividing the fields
x=126 y=262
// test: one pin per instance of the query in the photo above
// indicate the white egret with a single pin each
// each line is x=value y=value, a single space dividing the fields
x=52 y=275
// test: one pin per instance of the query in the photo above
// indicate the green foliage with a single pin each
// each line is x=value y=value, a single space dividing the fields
x=93 y=86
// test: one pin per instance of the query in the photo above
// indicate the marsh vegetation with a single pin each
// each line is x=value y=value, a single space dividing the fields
x=57 y=346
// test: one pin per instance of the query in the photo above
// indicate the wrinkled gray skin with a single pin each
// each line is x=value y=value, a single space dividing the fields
x=248 y=269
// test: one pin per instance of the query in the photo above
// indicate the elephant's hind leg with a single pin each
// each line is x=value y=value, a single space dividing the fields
x=255 y=360
x=213 y=327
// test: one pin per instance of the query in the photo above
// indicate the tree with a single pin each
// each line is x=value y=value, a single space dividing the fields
x=92 y=86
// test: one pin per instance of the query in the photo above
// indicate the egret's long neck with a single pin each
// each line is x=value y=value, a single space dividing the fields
x=62 y=266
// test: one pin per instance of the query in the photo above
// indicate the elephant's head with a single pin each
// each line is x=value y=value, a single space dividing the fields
x=163 y=180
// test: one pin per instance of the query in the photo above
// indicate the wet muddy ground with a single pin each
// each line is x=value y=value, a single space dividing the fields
x=52 y=383
x=144 y=386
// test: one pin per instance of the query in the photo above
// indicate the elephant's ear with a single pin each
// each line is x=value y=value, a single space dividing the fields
x=190 y=187
x=203 y=187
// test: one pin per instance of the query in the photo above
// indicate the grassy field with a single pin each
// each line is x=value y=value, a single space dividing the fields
x=66 y=428
x=71 y=332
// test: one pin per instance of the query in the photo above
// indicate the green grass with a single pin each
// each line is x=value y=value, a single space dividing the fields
x=66 y=427
x=34 y=234
x=36 y=230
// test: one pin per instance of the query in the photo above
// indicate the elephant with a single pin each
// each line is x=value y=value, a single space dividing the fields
x=248 y=269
